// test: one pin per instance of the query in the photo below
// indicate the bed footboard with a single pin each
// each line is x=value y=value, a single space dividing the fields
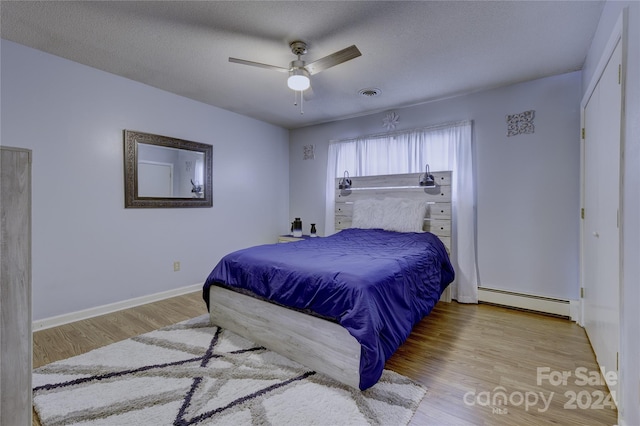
x=320 y=345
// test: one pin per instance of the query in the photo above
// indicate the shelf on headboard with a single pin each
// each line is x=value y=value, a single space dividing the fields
x=369 y=188
x=351 y=202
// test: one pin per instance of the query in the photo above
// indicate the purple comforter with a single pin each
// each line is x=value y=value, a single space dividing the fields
x=377 y=284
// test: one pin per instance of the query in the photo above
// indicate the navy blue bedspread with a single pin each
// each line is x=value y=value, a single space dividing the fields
x=377 y=284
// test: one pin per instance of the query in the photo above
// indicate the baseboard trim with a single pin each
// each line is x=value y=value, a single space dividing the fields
x=547 y=305
x=111 y=307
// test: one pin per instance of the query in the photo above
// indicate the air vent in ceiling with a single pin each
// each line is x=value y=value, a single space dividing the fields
x=369 y=92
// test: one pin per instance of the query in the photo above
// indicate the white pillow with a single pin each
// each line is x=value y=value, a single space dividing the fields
x=391 y=214
x=404 y=215
x=368 y=213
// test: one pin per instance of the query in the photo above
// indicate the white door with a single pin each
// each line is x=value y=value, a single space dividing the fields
x=601 y=234
x=155 y=179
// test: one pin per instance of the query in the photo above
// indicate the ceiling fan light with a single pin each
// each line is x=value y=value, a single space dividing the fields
x=299 y=80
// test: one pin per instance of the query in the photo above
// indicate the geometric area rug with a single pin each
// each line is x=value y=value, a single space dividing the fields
x=193 y=373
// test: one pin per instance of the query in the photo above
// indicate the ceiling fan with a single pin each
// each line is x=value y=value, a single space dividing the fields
x=299 y=71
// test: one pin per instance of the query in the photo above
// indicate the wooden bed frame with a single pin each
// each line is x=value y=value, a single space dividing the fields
x=318 y=344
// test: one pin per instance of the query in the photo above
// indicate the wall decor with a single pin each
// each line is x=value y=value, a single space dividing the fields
x=520 y=123
x=162 y=172
x=390 y=121
x=308 y=152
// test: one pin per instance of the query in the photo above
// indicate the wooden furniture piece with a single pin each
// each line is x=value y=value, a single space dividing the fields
x=309 y=340
x=291 y=238
x=401 y=186
x=15 y=287
x=322 y=345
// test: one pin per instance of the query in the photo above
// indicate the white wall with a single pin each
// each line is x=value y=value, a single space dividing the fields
x=528 y=185
x=88 y=250
x=629 y=397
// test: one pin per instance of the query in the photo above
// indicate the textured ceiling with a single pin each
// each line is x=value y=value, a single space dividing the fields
x=412 y=51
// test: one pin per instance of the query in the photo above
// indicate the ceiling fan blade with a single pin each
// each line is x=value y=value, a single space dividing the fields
x=334 y=59
x=259 y=65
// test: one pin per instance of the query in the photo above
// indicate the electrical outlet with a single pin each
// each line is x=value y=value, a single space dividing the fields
x=176 y=266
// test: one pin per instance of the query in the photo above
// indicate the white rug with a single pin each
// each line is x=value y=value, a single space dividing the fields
x=193 y=373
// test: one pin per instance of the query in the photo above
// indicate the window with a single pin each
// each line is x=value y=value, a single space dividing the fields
x=443 y=147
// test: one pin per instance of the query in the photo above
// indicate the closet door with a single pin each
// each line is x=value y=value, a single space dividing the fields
x=15 y=287
x=601 y=232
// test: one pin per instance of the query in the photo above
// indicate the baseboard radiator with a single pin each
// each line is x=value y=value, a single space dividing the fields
x=527 y=302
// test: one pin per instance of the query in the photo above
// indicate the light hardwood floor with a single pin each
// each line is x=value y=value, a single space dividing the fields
x=464 y=354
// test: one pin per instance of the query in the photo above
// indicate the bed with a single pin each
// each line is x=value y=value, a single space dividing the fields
x=341 y=305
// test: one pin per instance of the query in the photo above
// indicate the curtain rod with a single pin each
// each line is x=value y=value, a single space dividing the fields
x=401 y=132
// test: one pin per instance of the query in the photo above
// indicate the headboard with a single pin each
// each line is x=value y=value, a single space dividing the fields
x=404 y=186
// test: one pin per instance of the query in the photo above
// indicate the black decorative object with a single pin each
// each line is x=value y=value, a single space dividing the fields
x=427 y=180
x=345 y=183
x=296 y=227
x=520 y=123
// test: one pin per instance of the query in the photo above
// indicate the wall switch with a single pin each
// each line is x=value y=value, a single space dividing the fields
x=176 y=266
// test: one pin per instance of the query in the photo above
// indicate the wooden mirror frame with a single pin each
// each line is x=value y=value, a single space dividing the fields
x=131 y=198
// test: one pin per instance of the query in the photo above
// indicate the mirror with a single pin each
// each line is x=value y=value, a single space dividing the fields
x=162 y=172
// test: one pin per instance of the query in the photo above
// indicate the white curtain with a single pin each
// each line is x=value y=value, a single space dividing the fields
x=443 y=147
